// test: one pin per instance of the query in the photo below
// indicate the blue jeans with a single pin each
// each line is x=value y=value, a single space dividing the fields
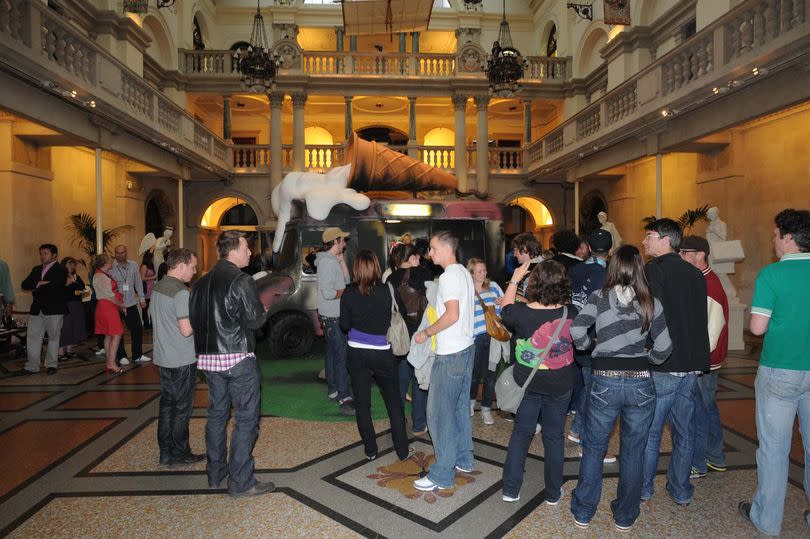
x=581 y=405
x=555 y=408
x=237 y=387
x=337 y=376
x=632 y=400
x=448 y=414
x=780 y=394
x=675 y=405
x=407 y=378
x=481 y=372
x=706 y=424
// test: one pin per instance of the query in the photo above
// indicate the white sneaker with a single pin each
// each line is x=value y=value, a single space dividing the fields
x=472 y=407
x=609 y=459
x=100 y=352
x=510 y=498
x=124 y=361
x=537 y=428
x=143 y=359
x=426 y=485
x=574 y=438
x=558 y=500
x=486 y=415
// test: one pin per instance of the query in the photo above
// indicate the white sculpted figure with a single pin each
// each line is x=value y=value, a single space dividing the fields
x=610 y=227
x=717 y=230
x=321 y=192
x=157 y=245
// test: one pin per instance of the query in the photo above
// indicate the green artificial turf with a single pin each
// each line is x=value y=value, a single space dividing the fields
x=291 y=388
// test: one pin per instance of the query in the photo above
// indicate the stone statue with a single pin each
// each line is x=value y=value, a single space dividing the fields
x=157 y=245
x=717 y=230
x=610 y=227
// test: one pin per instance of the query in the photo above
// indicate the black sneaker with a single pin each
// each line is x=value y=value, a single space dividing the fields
x=191 y=458
x=347 y=407
x=745 y=510
x=51 y=370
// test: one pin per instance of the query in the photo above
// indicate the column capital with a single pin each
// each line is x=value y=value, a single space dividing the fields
x=276 y=99
x=481 y=101
x=348 y=98
x=412 y=99
x=459 y=101
x=299 y=99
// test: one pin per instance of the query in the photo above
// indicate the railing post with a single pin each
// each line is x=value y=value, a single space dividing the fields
x=34 y=27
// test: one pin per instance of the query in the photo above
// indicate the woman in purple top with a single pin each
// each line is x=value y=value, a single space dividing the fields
x=365 y=314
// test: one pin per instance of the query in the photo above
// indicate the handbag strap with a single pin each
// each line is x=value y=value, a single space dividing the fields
x=545 y=352
x=394 y=308
x=481 y=300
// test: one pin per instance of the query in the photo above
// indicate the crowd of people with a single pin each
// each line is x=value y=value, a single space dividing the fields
x=595 y=333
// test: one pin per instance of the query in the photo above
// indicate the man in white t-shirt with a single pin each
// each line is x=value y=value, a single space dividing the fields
x=448 y=411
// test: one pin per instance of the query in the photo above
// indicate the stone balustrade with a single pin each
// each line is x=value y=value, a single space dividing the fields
x=752 y=34
x=80 y=70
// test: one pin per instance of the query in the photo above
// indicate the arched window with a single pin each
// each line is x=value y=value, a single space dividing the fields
x=239 y=215
x=551 y=46
x=197 y=36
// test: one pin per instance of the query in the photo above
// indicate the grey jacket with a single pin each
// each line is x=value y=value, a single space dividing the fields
x=420 y=355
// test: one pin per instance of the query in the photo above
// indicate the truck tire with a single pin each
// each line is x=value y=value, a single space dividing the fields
x=291 y=334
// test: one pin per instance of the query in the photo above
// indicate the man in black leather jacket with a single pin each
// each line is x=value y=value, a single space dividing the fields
x=225 y=310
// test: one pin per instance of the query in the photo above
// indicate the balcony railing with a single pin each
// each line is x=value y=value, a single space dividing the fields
x=85 y=72
x=752 y=33
x=220 y=63
x=255 y=158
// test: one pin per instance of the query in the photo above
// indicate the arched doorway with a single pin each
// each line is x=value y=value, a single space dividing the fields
x=526 y=213
x=230 y=213
x=589 y=207
x=159 y=213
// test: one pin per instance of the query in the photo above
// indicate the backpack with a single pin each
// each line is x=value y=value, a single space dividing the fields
x=414 y=301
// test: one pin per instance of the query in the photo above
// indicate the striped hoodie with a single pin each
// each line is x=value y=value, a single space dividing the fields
x=620 y=343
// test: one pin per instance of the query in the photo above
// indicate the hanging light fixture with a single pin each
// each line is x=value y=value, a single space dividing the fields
x=257 y=66
x=505 y=66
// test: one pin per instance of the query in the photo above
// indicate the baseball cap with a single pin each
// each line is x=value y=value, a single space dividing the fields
x=333 y=233
x=600 y=240
x=695 y=243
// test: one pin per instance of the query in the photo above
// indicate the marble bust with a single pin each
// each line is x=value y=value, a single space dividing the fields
x=717 y=230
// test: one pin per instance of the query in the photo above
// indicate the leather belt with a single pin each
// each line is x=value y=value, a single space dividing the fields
x=622 y=374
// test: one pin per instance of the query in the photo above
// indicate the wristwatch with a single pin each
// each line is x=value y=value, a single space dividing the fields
x=514 y=283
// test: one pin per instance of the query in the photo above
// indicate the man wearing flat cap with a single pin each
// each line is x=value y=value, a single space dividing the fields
x=333 y=276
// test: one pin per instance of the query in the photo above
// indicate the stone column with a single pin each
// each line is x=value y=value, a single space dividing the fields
x=659 y=184
x=348 y=121
x=339 y=33
x=181 y=222
x=413 y=149
x=527 y=121
x=99 y=205
x=576 y=207
x=352 y=48
x=226 y=117
x=276 y=100
x=460 y=106
x=482 y=144
x=299 y=99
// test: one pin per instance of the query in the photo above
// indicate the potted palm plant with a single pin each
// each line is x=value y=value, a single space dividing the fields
x=82 y=226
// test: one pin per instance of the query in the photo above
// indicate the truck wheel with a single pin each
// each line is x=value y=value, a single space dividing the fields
x=291 y=334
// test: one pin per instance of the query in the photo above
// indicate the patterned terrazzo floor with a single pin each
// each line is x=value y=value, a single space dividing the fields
x=79 y=459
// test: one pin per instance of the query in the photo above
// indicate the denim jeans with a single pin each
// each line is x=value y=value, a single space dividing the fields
x=362 y=364
x=675 y=404
x=407 y=378
x=337 y=377
x=632 y=400
x=448 y=415
x=706 y=424
x=176 y=403
x=135 y=327
x=555 y=408
x=581 y=405
x=780 y=394
x=237 y=387
x=481 y=372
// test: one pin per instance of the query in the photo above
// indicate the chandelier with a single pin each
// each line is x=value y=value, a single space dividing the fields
x=256 y=65
x=505 y=66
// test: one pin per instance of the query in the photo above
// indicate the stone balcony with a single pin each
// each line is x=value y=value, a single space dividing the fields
x=754 y=40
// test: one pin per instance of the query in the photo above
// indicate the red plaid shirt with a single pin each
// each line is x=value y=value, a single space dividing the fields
x=221 y=362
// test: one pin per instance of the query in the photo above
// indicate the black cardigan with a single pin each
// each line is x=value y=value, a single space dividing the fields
x=370 y=314
x=681 y=288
